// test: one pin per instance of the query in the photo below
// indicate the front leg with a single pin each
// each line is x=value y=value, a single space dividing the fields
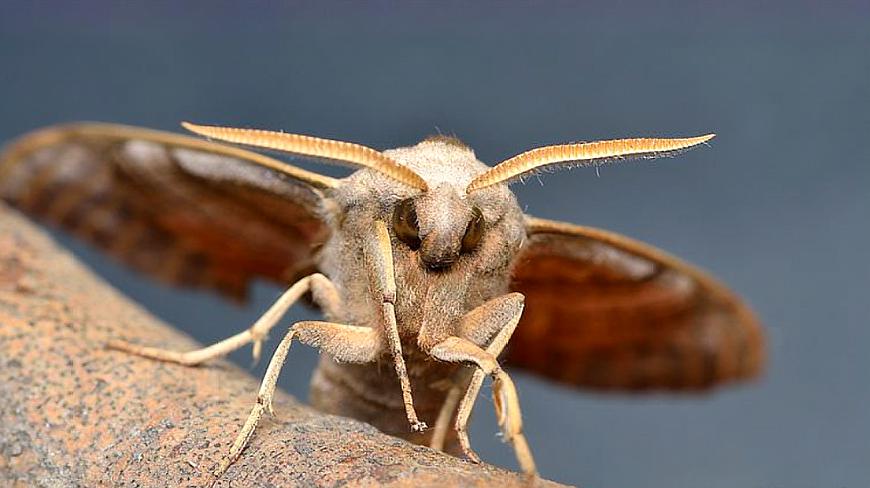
x=480 y=325
x=345 y=343
x=381 y=259
x=501 y=314
x=322 y=290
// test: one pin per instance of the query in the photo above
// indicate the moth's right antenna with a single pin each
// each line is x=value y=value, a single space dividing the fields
x=346 y=152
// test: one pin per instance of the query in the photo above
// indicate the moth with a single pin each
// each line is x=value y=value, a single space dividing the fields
x=425 y=267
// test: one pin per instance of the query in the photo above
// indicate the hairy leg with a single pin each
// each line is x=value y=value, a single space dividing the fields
x=345 y=343
x=448 y=409
x=322 y=290
x=380 y=257
x=482 y=324
x=478 y=325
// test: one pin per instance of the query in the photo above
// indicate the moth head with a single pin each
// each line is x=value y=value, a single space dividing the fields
x=451 y=226
x=445 y=225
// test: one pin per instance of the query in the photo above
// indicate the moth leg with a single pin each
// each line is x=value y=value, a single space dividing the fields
x=448 y=408
x=508 y=413
x=381 y=259
x=323 y=293
x=345 y=343
x=478 y=326
x=483 y=324
x=322 y=290
x=504 y=392
x=510 y=419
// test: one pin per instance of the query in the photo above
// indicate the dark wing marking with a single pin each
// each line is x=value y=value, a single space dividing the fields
x=184 y=210
x=607 y=312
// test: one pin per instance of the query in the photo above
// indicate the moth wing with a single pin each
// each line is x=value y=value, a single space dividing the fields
x=607 y=312
x=186 y=211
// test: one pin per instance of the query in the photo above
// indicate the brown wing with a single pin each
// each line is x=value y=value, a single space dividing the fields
x=184 y=210
x=607 y=312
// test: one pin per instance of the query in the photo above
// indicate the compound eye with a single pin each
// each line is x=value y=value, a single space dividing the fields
x=405 y=224
x=474 y=231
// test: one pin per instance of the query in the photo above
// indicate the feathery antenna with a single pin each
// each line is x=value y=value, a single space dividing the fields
x=347 y=152
x=582 y=154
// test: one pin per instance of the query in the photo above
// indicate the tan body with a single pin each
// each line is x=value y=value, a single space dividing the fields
x=429 y=306
x=422 y=262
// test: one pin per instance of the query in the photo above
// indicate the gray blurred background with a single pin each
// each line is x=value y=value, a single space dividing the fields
x=777 y=206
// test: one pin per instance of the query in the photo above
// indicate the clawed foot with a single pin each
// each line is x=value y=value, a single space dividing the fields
x=257 y=347
x=192 y=358
x=469 y=454
x=507 y=407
